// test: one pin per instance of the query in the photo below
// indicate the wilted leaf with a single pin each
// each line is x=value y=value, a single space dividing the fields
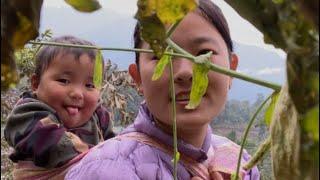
x=311 y=123
x=161 y=65
x=84 y=5
x=153 y=32
x=199 y=85
x=270 y=108
x=155 y=15
x=19 y=23
x=98 y=70
x=171 y=11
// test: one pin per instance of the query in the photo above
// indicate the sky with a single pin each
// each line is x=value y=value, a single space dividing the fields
x=248 y=35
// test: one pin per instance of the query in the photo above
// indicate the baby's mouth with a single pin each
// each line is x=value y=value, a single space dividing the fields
x=72 y=110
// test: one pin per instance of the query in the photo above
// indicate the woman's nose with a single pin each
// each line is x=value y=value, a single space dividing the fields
x=182 y=70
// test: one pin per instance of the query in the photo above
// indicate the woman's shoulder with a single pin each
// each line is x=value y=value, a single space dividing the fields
x=221 y=143
x=114 y=158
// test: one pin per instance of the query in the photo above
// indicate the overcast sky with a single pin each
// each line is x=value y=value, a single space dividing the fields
x=248 y=34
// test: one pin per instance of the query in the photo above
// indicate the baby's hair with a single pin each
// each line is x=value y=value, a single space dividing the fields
x=48 y=52
x=207 y=9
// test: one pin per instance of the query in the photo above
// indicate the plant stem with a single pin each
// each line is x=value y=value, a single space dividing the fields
x=247 y=132
x=174 y=127
x=172 y=28
x=181 y=53
x=226 y=71
x=263 y=148
x=104 y=48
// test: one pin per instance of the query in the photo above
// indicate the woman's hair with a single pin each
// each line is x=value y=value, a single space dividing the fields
x=207 y=9
x=48 y=52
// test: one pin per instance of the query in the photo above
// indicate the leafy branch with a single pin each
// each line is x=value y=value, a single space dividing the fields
x=246 y=134
x=181 y=53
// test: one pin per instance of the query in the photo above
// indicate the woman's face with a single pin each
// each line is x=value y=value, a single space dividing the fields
x=197 y=36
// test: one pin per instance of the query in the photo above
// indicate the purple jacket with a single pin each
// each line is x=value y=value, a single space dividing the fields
x=130 y=159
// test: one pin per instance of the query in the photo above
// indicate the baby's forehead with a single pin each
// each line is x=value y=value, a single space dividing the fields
x=74 y=54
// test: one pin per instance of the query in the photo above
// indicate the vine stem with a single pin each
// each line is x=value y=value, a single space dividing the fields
x=226 y=71
x=247 y=132
x=181 y=53
x=174 y=120
x=104 y=48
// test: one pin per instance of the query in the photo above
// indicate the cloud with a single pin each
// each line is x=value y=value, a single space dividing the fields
x=244 y=71
x=269 y=71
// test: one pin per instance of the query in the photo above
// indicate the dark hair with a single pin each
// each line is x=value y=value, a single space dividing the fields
x=210 y=12
x=48 y=52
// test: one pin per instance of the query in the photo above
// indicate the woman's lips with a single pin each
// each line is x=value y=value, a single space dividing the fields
x=182 y=98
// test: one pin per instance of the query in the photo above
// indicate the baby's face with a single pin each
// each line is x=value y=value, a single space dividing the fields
x=67 y=86
x=197 y=36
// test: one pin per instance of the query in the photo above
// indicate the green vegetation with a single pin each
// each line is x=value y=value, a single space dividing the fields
x=291 y=26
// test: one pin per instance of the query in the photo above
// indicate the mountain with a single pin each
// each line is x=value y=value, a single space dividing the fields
x=260 y=63
x=107 y=28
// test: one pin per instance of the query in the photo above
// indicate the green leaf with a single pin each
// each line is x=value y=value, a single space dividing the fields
x=19 y=24
x=310 y=122
x=84 y=5
x=277 y=1
x=199 y=85
x=177 y=157
x=171 y=11
x=155 y=15
x=98 y=70
x=161 y=65
x=270 y=108
x=153 y=32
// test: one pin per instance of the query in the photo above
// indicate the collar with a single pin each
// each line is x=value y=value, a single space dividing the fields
x=144 y=123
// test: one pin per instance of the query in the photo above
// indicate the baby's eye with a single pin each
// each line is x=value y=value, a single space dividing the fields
x=63 y=81
x=205 y=51
x=90 y=85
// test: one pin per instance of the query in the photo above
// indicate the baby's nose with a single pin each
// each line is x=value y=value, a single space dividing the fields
x=182 y=70
x=76 y=93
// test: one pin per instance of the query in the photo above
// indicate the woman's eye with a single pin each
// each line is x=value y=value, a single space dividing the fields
x=205 y=51
x=154 y=58
x=90 y=85
x=64 y=81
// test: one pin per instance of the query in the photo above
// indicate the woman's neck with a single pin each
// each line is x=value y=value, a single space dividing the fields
x=194 y=136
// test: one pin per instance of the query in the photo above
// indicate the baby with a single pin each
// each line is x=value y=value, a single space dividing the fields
x=62 y=117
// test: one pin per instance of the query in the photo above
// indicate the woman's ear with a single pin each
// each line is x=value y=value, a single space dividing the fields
x=34 y=82
x=135 y=74
x=233 y=65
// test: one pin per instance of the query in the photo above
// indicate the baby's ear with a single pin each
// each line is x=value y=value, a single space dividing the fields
x=34 y=82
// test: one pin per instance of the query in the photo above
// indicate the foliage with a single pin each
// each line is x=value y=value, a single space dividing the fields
x=19 y=23
x=292 y=26
x=120 y=94
x=98 y=70
x=84 y=5
x=25 y=57
x=155 y=15
x=270 y=109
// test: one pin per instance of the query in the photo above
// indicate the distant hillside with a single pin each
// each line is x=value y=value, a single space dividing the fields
x=258 y=62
